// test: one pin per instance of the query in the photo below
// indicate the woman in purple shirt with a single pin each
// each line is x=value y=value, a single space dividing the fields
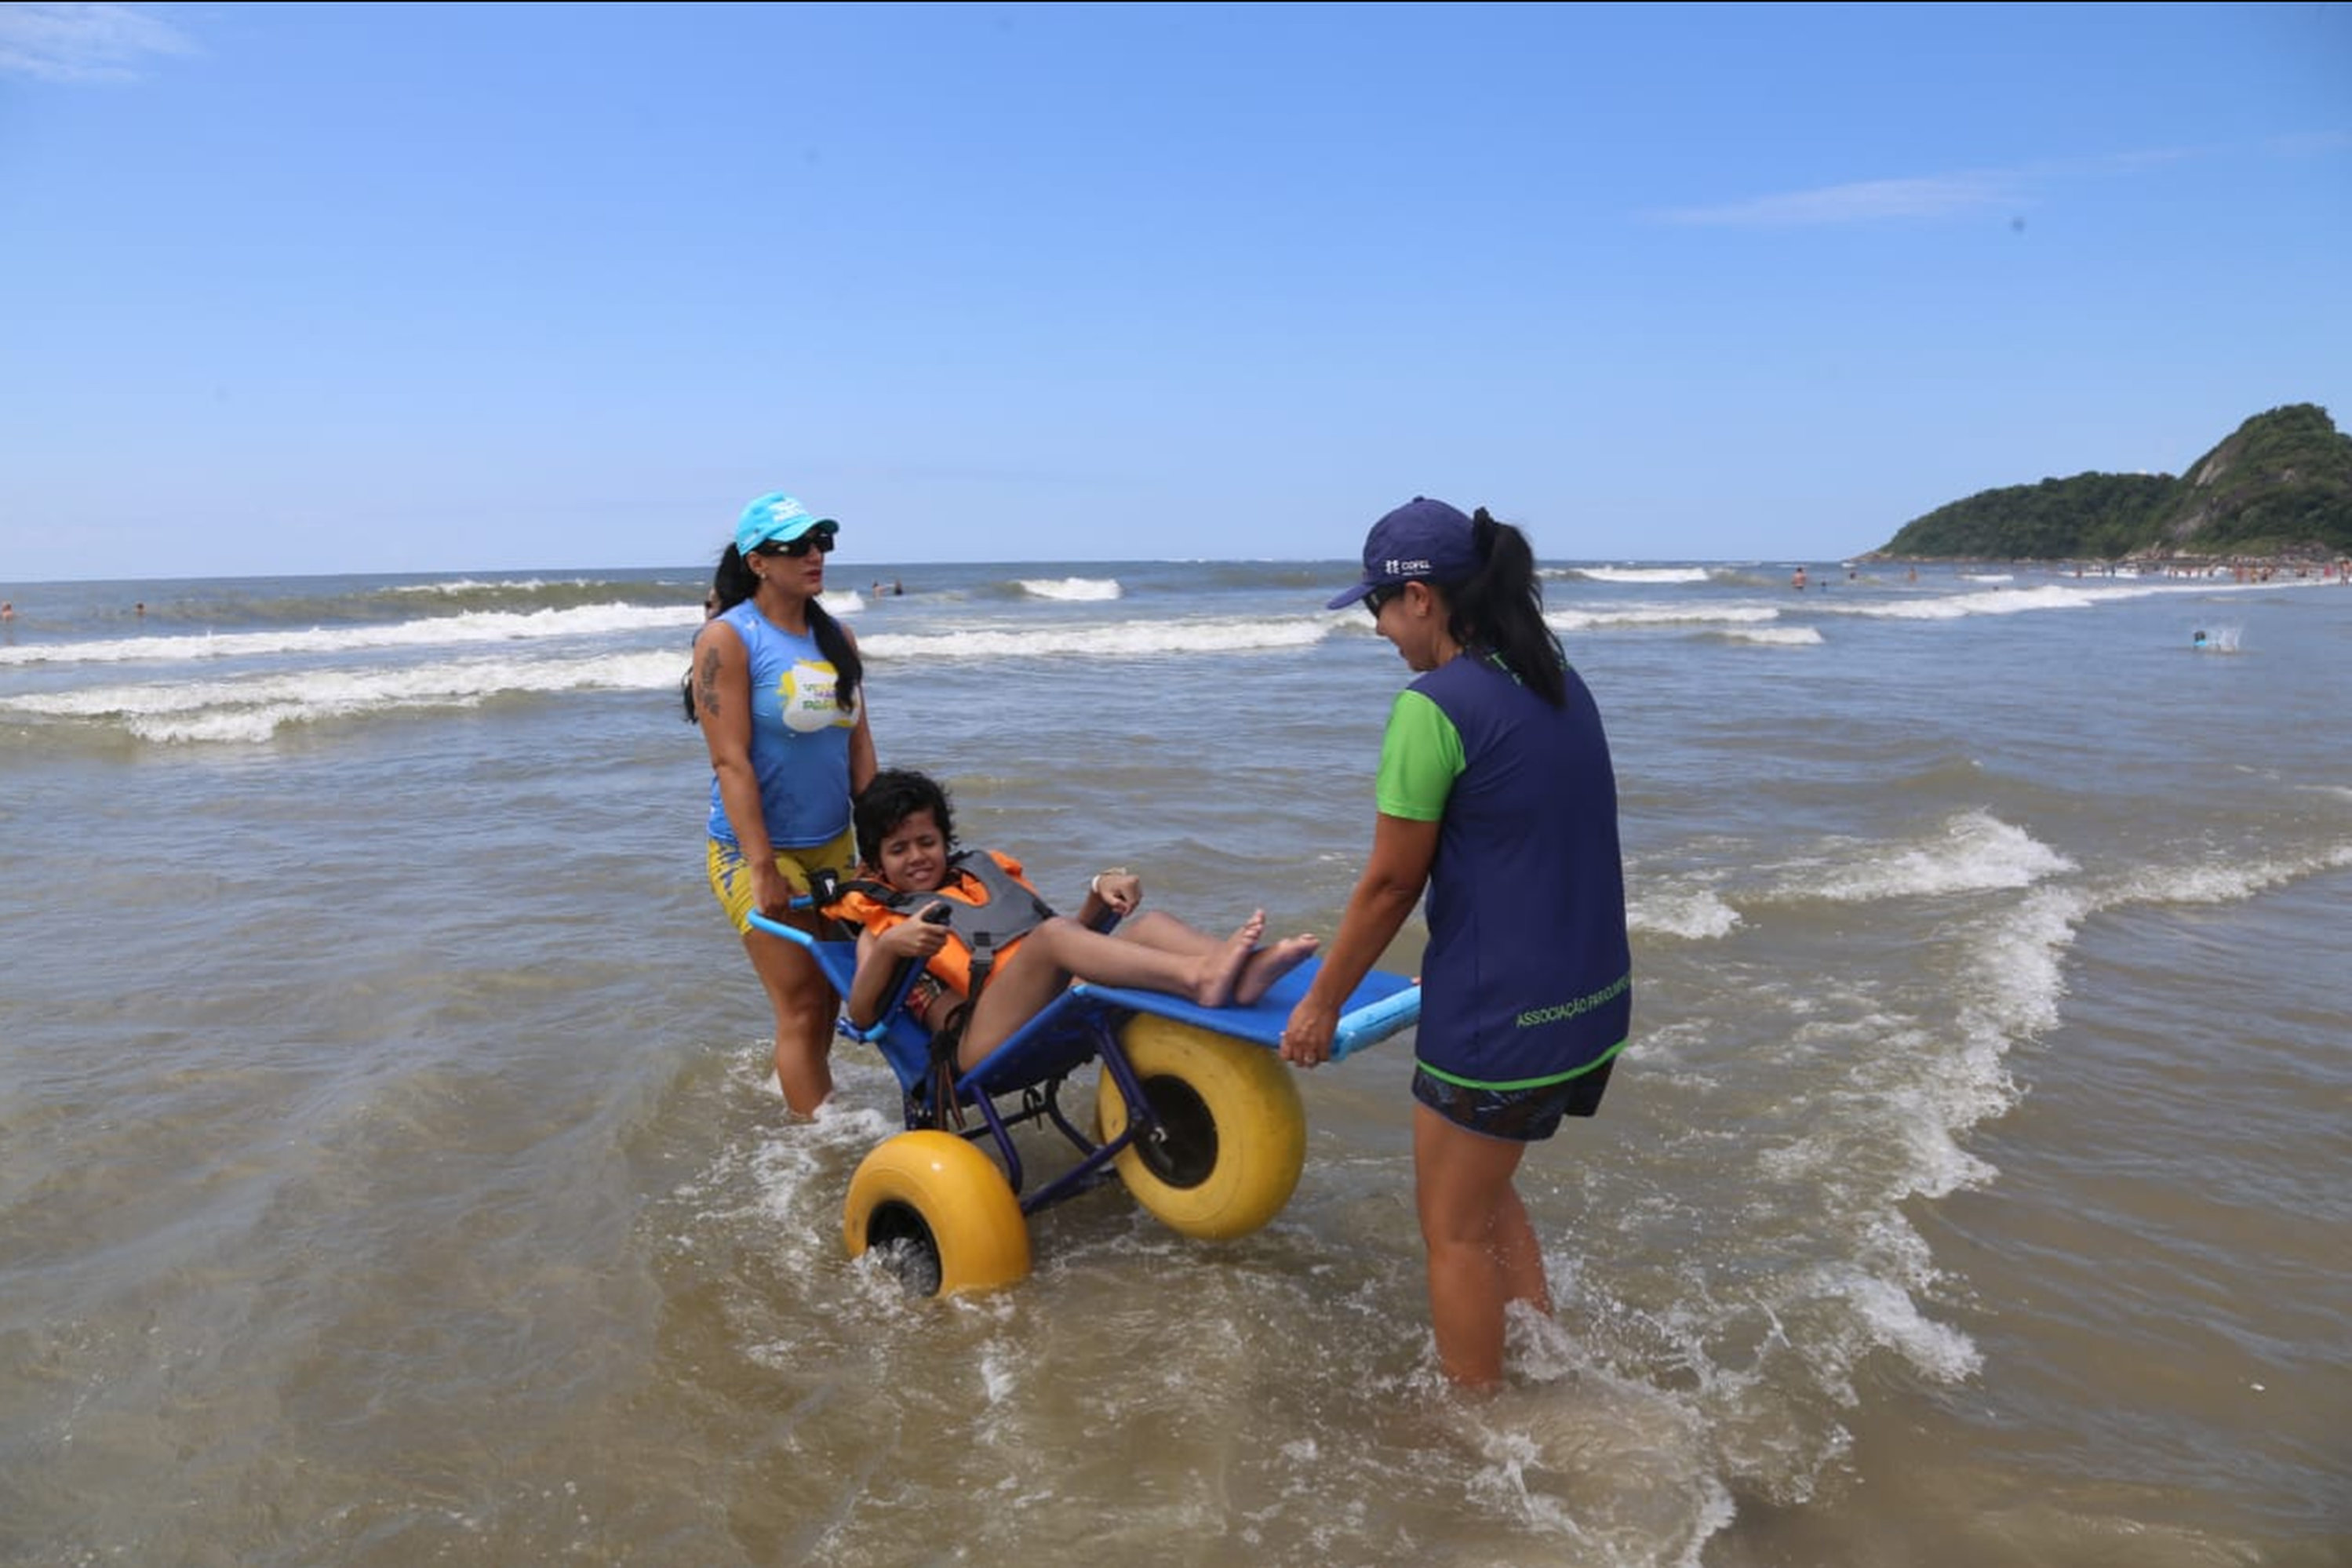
x=1497 y=795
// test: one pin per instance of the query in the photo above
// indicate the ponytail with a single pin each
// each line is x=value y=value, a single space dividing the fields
x=734 y=581
x=835 y=644
x=1500 y=608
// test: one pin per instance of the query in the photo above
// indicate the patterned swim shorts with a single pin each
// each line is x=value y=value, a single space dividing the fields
x=1518 y=1116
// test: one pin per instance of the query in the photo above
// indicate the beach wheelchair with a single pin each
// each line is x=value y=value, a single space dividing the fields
x=1194 y=1113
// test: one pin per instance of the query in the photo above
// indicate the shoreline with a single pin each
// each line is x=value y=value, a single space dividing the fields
x=2242 y=568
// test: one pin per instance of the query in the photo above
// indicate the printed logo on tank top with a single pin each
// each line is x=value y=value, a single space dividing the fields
x=806 y=692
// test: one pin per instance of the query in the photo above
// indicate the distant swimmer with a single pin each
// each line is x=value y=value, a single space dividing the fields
x=7 y=613
x=140 y=610
x=2197 y=640
x=1798 y=582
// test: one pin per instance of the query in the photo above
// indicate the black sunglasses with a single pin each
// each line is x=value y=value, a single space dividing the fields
x=1377 y=600
x=816 y=540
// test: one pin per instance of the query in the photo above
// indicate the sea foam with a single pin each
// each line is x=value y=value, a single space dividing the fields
x=1639 y=573
x=452 y=631
x=1581 y=620
x=1974 y=851
x=1128 y=640
x=254 y=708
x=1072 y=589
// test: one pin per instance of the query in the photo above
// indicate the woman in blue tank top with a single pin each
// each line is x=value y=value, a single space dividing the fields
x=776 y=687
x=1496 y=793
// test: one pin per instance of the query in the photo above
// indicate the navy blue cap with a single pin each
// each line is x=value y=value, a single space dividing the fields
x=1423 y=539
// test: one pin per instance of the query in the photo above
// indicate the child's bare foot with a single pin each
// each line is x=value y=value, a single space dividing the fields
x=1222 y=968
x=1268 y=965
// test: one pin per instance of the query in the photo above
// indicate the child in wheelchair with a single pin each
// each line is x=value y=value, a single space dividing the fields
x=994 y=952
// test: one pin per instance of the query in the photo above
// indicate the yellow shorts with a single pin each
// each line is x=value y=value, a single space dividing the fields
x=730 y=874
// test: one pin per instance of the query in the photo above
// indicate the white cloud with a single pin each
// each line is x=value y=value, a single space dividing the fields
x=83 y=43
x=1963 y=194
x=1866 y=201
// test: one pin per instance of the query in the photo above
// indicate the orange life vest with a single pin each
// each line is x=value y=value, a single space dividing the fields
x=991 y=907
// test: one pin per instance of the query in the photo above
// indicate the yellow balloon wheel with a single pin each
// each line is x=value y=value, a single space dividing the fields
x=944 y=1209
x=1235 y=1135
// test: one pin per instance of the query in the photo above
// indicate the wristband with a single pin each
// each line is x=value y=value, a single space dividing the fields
x=1094 y=884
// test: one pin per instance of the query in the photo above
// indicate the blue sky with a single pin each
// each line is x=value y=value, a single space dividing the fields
x=316 y=289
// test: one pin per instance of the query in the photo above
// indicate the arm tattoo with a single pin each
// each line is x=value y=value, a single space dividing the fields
x=705 y=683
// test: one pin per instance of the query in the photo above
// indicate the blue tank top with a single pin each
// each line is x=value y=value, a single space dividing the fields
x=800 y=736
x=1529 y=974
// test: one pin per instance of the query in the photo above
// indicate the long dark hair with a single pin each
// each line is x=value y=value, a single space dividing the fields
x=734 y=581
x=1500 y=607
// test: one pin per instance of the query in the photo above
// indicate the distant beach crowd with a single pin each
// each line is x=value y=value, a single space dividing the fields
x=2237 y=568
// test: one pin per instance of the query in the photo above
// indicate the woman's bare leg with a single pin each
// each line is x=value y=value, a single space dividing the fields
x=804 y=1006
x=1483 y=1253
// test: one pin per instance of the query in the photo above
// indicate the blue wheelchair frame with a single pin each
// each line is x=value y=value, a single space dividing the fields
x=1082 y=1023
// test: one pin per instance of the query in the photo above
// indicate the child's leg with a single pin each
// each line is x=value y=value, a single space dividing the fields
x=1062 y=950
x=1195 y=965
x=1259 y=971
x=1154 y=928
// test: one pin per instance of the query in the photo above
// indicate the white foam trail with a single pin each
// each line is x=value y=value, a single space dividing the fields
x=1134 y=640
x=1072 y=589
x=1776 y=636
x=254 y=708
x=1661 y=615
x=2018 y=969
x=1974 y=852
x=1894 y=1321
x=2025 y=961
x=2075 y=595
x=1988 y=577
x=475 y=627
x=1953 y=607
x=1695 y=916
x=2227 y=882
x=473 y=585
x=1640 y=573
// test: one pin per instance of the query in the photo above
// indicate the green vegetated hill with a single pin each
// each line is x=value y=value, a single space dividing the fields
x=2280 y=485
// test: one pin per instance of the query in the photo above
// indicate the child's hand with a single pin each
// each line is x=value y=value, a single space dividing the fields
x=915 y=938
x=1121 y=889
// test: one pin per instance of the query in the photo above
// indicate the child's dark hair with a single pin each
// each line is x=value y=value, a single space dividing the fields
x=894 y=795
x=1501 y=608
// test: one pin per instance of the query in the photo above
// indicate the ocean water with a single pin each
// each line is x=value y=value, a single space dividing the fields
x=390 y=1171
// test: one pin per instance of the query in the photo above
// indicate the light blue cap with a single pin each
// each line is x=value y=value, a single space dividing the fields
x=776 y=515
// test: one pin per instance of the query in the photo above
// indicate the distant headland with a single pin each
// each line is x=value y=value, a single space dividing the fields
x=2279 y=487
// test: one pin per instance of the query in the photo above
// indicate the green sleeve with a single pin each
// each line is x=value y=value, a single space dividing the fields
x=1420 y=756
